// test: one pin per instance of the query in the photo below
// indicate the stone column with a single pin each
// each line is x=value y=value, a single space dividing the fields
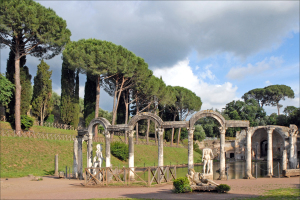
x=190 y=149
x=79 y=138
x=284 y=159
x=293 y=149
x=107 y=148
x=75 y=158
x=160 y=132
x=270 y=152
x=56 y=165
x=90 y=150
x=222 y=153
x=131 y=153
x=248 y=154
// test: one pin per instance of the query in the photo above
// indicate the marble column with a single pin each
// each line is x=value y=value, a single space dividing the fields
x=107 y=148
x=75 y=158
x=222 y=154
x=160 y=132
x=248 y=175
x=293 y=149
x=90 y=150
x=284 y=159
x=190 y=149
x=80 y=175
x=131 y=153
x=270 y=152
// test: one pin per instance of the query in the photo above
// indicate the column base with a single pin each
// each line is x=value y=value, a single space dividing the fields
x=249 y=177
x=270 y=176
x=222 y=177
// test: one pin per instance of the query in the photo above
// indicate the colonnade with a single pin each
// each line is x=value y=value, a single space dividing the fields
x=292 y=148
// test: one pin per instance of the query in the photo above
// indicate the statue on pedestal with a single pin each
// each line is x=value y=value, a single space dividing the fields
x=207 y=158
x=98 y=159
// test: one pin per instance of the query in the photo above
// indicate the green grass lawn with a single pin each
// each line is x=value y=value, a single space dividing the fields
x=278 y=194
x=23 y=156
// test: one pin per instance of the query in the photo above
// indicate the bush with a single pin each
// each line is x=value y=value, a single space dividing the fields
x=182 y=185
x=50 y=118
x=223 y=188
x=119 y=150
x=26 y=122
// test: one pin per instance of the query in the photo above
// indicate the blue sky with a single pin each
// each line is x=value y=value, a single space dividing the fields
x=219 y=49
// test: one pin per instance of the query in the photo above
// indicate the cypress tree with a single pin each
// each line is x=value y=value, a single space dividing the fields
x=89 y=95
x=42 y=91
x=69 y=109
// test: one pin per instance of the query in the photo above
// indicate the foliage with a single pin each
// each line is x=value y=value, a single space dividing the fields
x=6 y=90
x=119 y=150
x=209 y=125
x=199 y=133
x=102 y=113
x=89 y=97
x=50 y=118
x=196 y=148
x=69 y=108
x=26 y=90
x=42 y=91
x=223 y=188
x=26 y=122
x=55 y=98
x=289 y=110
x=36 y=30
x=182 y=185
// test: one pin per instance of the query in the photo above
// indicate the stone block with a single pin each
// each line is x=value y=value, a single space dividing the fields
x=61 y=174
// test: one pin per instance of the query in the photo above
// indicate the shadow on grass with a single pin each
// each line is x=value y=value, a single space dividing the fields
x=50 y=172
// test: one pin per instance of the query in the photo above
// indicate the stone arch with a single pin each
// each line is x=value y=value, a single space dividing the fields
x=207 y=113
x=279 y=129
x=145 y=115
x=100 y=120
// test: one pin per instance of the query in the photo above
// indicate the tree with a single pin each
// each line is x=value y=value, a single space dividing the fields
x=69 y=109
x=37 y=31
x=42 y=91
x=258 y=94
x=289 y=109
x=275 y=93
x=199 y=133
x=6 y=90
x=89 y=96
x=55 y=98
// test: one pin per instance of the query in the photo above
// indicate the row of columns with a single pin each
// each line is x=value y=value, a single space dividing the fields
x=292 y=156
x=78 y=158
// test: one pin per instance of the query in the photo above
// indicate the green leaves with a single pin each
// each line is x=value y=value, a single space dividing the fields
x=6 y=90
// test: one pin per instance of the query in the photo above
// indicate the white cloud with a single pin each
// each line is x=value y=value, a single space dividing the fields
x=212 y=96
x=268 y=83
x=240 y=73
x=207 y=73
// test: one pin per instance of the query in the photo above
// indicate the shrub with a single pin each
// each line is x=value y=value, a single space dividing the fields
x=182 y=185
x=26 y=122
x=50 y=118
x=223 y=188
x=119 y=150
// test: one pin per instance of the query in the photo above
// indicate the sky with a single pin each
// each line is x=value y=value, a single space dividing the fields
x=217 y=49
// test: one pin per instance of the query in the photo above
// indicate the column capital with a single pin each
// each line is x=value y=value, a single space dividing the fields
x=191 y=130
x=107 y=134
x=293 y=132
x=269 y=129
x=222 y=129
x=160 y=130
x=131 y=133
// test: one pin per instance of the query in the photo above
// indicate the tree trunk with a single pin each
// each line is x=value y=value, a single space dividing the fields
x=18 y=91
x=178 y=138
x=278 y=108
x=155 y=134
x=97 y=103
x=137 y=123
x=125 y=97
x=147 y=134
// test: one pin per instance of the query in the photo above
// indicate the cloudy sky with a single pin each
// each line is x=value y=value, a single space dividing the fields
x=219 y=50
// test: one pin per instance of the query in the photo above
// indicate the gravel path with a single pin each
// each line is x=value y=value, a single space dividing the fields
x=53 y=188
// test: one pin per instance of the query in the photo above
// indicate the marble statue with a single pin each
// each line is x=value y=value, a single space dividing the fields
x=197 y=178
x=98 y=159
x=207 y=160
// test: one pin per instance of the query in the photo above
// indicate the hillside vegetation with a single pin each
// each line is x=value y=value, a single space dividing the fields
x=23 y=156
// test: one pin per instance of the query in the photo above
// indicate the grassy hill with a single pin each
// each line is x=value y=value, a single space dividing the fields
x=22 y=156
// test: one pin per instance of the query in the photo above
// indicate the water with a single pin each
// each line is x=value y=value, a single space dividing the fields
x=236 y=169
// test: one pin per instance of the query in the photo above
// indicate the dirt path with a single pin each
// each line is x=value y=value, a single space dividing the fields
x=52 y=188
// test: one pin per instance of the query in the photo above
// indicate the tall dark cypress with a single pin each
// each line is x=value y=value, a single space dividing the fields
x=69 y=109
x=89 y=95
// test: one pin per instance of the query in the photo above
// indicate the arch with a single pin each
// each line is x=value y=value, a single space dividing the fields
x=281 y=130
x=145 y=115
x=100 y=120
x=207 y=113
